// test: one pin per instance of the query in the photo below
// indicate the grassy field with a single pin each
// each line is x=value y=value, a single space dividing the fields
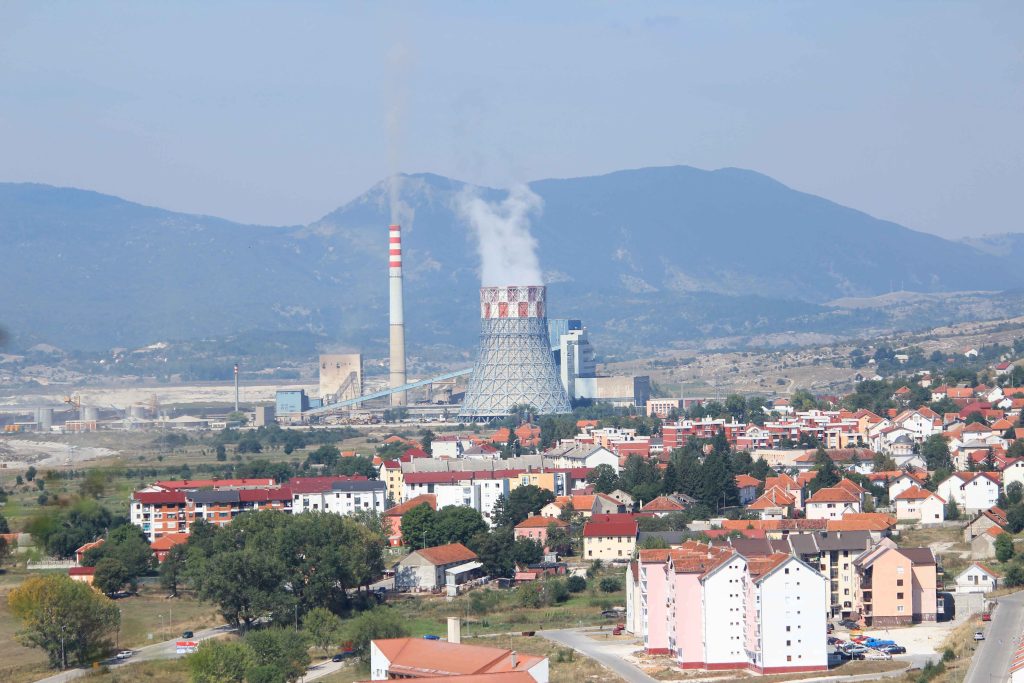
x=148 y=613
x=164 y=671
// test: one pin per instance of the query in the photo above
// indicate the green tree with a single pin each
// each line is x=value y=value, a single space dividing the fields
x=952 y=511
x=611 y=584
x=222 y=453
x=172 y=569
x=603 y=478
x=428 y=440
x=278 y=654
x=249 y=444
x=5 y=528
x=111 y=575
x=935 y=451
x=1004 y=547
x=1014 y=575
x=325 y=455
x=1014 y=493
x=323 y=627
x=520 y=504
x=220 y=661
x=67 y=619
x=94 y=485
x=457 y=524
x=30 y=473
x=576 y=584
x=1015 y=518
x=375 y=624
x=418 y=527
x=828 y=474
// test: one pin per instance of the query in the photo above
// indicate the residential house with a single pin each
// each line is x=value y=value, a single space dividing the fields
x=536 y=528
x=339 y=495
x=585 y=505
x=985 y=520
x=82 y=550
x=82 y=574
x=438 y=660
x=983 y=546
x=774 y=503
x=393 y=516
x=1014 y=472
x=977 y=578
x=897 y=586
x=666 y=505
x=920 y=505
x=424 y=570
x=972 y=491
x=625 y=500
x=747 y=487
x=161 y=547
x=613 y=540
x=831 y=503
x=905 y=480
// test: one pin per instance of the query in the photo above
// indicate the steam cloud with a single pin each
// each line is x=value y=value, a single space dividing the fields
x=508 y=251
x=396 y=92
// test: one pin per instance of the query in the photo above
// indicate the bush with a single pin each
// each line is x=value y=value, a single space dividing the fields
x=611 y=584
x=1014 y=575
x=948 y=655
x=557 y=591
x=576 y=584
x=594 y=569
x=530 y=594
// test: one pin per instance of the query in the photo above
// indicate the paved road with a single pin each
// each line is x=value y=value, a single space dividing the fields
x=165 y=650
x=321 y=669
x=991 y=661
x=579 y=641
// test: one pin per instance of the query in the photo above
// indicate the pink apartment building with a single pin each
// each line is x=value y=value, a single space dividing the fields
x=712 y=608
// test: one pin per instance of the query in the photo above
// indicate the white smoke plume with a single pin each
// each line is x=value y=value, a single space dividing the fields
x=399 y=58
x=508 y=251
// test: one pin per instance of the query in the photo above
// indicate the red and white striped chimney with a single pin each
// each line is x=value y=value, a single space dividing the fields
x=397 y=313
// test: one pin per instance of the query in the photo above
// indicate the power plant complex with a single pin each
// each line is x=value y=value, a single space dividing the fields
x=523 y=360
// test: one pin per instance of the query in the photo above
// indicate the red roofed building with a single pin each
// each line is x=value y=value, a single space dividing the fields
x=537 y=528
x=439 y=660
x=81 y=551
x=163 y=545
x=920 y=505
x=394 y=515
x=609 y=540
x=831 y=503
x=83 y=574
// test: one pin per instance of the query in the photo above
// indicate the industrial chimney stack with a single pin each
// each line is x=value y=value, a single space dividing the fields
x=397 y=314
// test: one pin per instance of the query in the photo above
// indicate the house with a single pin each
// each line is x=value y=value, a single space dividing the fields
x=665 y=505
x=985 y=520
x=977 y=578
x=393 y=516
x=747 y=487
x=1014 y=472
x=536 y=528
x=983 y=546
x=424 y=570
x=774 y=503
x=339 y=495
x=81 y=551
x=919 y=505
x=613 y=540
x=625 y=500
x=586 y=505
x=162 y=546
x=972 y=491
x=905 y=480
x=83 y=574
x=437 y=660
x=897 y=586
x=831 y=502
x=710 y=607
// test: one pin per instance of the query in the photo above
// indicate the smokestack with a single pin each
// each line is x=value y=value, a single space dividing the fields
x=397 y=313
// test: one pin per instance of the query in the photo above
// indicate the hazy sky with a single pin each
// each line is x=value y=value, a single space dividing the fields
x=279 y=112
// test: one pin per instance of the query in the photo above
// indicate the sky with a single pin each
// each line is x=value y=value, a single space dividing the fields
x=277 y=113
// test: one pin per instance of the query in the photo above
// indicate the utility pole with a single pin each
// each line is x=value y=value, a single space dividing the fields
x=236 y=387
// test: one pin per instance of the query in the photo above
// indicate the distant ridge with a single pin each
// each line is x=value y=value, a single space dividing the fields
x=651 y=254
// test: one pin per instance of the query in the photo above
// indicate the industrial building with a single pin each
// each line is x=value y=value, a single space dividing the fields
x=341 y=377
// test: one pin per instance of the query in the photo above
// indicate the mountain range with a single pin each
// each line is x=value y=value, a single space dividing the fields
x=644 y=256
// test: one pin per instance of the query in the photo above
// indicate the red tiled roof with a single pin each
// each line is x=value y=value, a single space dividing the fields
x=915 y=492
x=213 y=483
x=540 y=523
x=168 y=541
x=832 y=494
x=745 y=480
x=663 y=504
x=318 y=484
x=400 y=509
x=159 y=497
x=440 y=660
x=447 y=554
x=81 y=571
x=281 y=493
x=606 y=529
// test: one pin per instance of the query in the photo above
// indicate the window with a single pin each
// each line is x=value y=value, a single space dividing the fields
x=899 y=609
x=899 y=596
x=899 y=582
x=787 y=629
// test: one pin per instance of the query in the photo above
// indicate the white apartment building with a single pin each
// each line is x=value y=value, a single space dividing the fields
x=341 y=497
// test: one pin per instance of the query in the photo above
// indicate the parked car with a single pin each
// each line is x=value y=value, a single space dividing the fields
x=431 y=636
x=829 y=627
x=856 y=649
x=617 y=631
x=612 y=614
x=124 y=654
x=187 y=634
x=847 y=623
x=986 y=616
x=979 y=635
x=877 y=654
x=341 y=656
x=894 y=649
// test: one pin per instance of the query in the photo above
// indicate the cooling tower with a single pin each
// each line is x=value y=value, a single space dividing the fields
x=515 y=365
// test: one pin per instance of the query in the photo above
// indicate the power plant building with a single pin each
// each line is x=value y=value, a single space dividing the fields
x=515 y=365
x=341 y=377
x=577 y=370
